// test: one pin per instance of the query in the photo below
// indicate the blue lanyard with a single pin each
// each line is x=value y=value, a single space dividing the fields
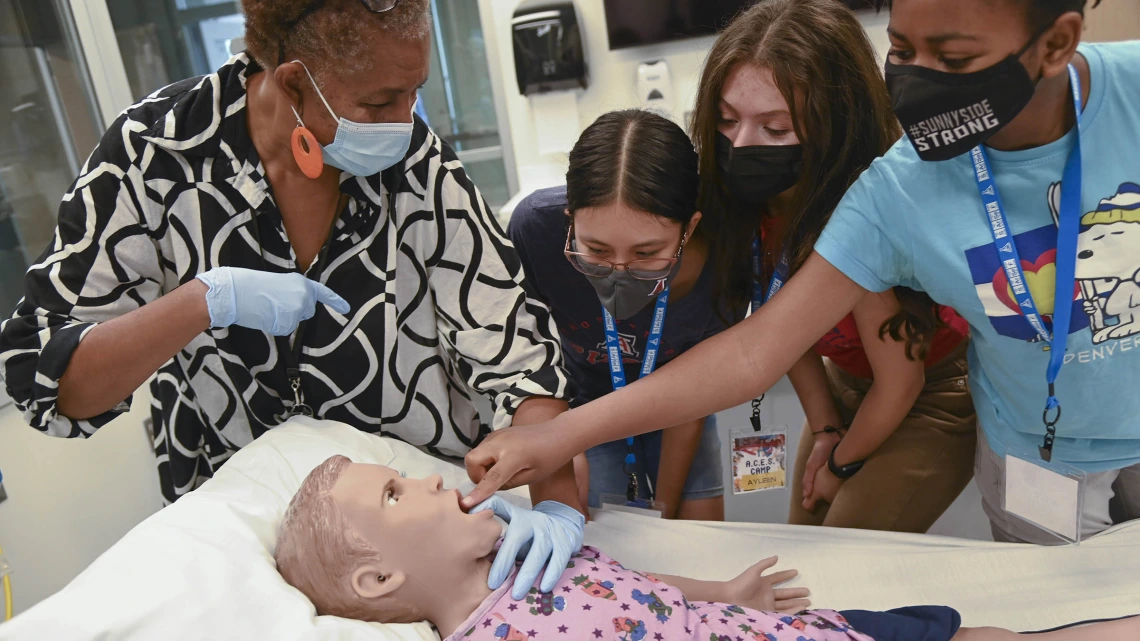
x=759 y=296
x=613 y=349
x=1068 y=227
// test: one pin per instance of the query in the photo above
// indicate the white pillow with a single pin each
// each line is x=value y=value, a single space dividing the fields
x=203 y=568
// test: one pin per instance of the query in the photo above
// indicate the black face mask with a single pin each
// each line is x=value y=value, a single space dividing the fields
x=755 y=174
x=947 y=114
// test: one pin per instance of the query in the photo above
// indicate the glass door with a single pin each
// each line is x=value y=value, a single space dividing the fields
x=458 y=99
x=164 y=41
x=48 y=126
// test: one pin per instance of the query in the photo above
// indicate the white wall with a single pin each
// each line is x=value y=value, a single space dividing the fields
x=69 y=500
x=611 y=83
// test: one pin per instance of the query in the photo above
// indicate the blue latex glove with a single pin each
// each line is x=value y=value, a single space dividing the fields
x=272 y=302
x=545 y=536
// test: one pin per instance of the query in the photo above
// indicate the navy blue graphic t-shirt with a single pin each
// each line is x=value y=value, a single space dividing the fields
x=538 y=229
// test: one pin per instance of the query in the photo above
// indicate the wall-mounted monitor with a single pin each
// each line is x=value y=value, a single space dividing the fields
x=634 y=23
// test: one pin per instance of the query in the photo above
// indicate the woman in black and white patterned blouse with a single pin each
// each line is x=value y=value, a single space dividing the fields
x=184 y=245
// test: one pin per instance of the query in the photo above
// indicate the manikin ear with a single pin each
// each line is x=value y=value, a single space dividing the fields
x=371 y=581
x=692 y=225
x=1059 y=44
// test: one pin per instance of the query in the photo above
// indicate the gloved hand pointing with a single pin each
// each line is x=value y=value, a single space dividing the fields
x=272 y=302
x=545 y=536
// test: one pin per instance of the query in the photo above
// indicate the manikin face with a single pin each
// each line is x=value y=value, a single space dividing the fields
x=416 y=526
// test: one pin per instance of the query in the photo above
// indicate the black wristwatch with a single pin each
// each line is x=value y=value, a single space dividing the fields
x=842 y=471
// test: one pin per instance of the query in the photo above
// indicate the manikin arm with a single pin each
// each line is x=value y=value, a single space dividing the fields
x=752 y=589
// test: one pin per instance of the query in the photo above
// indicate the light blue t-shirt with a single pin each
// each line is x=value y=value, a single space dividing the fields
x=922 y=225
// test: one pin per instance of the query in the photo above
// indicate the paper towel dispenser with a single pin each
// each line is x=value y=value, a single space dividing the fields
x=549 y=52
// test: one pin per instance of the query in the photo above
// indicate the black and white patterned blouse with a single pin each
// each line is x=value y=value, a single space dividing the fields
x=175 y=188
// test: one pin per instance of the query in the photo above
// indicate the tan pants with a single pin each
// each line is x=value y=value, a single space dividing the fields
x=917 y=473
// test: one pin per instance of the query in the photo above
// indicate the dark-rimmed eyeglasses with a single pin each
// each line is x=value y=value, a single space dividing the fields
x=375 y=6
x=642 y=269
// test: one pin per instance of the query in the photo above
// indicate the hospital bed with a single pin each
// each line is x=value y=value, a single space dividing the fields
x=202 y=569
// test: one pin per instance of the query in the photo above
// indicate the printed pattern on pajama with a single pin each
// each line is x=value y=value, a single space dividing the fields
x=599 y=600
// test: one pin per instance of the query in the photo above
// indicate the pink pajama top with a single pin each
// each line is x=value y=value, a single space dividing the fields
x=599 y=600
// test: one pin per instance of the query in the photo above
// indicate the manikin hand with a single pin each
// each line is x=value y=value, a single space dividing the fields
x=546 y=536
x=273 y=302
x=752 y=589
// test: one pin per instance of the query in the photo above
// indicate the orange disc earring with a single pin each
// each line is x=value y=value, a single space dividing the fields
x=306 y=150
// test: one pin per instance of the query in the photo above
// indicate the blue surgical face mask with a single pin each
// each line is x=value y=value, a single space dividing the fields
x=363 y=149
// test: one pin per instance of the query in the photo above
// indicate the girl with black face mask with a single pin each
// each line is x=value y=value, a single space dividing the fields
x=777 y=154
x=990 y=232
x=621 y=233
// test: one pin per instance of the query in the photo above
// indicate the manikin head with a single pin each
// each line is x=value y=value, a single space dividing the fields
x=362 y=542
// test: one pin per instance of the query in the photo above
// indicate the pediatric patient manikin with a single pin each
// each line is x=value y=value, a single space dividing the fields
x=362 y=542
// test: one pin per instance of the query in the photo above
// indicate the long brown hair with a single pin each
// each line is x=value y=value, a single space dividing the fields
x=827 y=71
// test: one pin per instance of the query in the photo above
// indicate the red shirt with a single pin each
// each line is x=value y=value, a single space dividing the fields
x=845 y=348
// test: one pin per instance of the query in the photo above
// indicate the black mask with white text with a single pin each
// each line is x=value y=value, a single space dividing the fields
x=947 y=114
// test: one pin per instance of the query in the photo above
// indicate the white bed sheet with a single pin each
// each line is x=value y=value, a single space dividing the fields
x=203 y=568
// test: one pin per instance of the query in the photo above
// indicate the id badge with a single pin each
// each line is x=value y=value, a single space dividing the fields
x=1049 y=496
x=639 y=506
x=759 y=459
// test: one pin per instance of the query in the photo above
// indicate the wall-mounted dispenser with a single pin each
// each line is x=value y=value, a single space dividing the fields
x=549 y=52
x=655 y=86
